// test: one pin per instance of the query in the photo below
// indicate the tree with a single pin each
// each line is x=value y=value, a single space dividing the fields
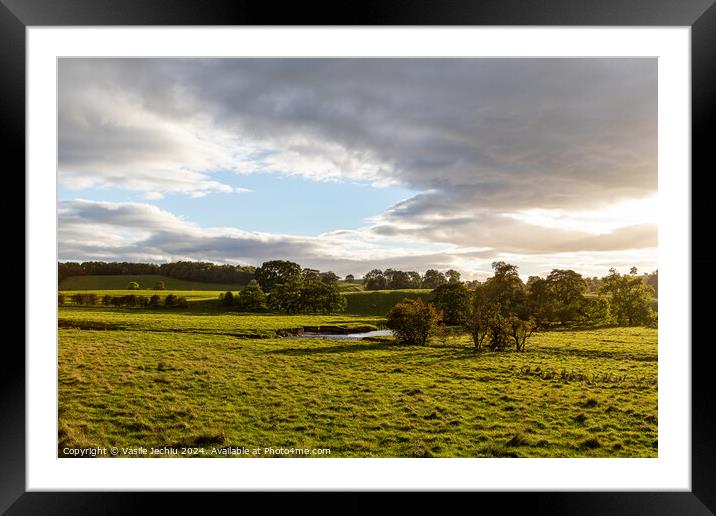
x=568 y=288
x=155 y=300
x=350 y=278
x=170 y=300
x=653 y=281
x=320 y=297
x=311 y=275
x=433 y=279
x=506 y=289
x=453 y=276
x=375 y=280
x=413 y=321
x=274 y=272
x=106 y=300
x=60 y=299
x=133 y=285
x=597 y=311
x=159 y=285
x=396 y=279
x=227 y=299
x=518 y=329
x=454 y=301
x=415 y=279
x=480 y=316
x=182 y=302
x=541 y=299
x=506 y=295
x=252 y=298
x=329 y=277
x=286 y=297
x=629 y=298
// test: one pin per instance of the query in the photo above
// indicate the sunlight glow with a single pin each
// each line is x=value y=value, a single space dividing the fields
x=597 y=222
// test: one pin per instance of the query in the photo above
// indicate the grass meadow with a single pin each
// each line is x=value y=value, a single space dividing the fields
x=212 y=381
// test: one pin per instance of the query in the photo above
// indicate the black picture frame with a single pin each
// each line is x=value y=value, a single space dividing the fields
x=700 y=15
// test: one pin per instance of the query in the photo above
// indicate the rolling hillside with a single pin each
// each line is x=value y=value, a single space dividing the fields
x=379 y=302
x=146 y=281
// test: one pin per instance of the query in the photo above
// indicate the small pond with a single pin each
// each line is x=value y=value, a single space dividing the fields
x=343 y=336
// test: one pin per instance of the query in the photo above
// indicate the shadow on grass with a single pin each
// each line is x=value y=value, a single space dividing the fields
x=339 y=348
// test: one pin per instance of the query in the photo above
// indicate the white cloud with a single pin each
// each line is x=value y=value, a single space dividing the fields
x=142 y=232
x=523 y=156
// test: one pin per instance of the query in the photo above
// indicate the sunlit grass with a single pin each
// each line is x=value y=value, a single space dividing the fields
x=189 y=382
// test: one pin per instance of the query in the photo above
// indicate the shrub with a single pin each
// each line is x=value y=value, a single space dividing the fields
x=413 y=321
x=106 y=300
x=133 y=285
x=155 y=300
x=519 y=330
x=182 y=302
x=60 y=299
x=252 y=298
x=171 y=300
x=227 y=299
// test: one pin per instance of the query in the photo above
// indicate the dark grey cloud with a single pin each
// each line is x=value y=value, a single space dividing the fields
x=517 y=132
x=481 y=139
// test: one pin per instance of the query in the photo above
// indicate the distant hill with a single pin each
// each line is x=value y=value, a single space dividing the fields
x=146 y=281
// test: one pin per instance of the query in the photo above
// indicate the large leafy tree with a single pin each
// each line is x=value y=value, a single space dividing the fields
x=567 y=288
x=558 y=298
x=276 y=272
x=506 y=296
x=629 y=298
x=375 y=280
x=397 y=279
x=321 y=297
x=433 y=279
x=415 y=279
x=286 y=297
x=454 y=300
x=452 y=276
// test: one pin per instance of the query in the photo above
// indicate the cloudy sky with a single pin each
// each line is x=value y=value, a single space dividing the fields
x=352 y=164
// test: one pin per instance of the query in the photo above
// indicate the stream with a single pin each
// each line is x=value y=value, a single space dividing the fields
x=343 y=336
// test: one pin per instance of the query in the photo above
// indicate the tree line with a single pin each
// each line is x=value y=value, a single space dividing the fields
x=394 y=279
x=205 y=272
x=156 y=300
x=503 y=311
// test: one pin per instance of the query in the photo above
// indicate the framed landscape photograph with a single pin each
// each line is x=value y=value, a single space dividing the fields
x=362 y=258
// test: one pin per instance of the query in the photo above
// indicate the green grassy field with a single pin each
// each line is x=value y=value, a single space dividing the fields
x=146 y=282
x=177 y=379
x=379 y=302
x=359 y=302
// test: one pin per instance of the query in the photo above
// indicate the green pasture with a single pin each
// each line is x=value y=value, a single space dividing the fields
x=130 y=378
x=146 y=283
x=379 y=302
